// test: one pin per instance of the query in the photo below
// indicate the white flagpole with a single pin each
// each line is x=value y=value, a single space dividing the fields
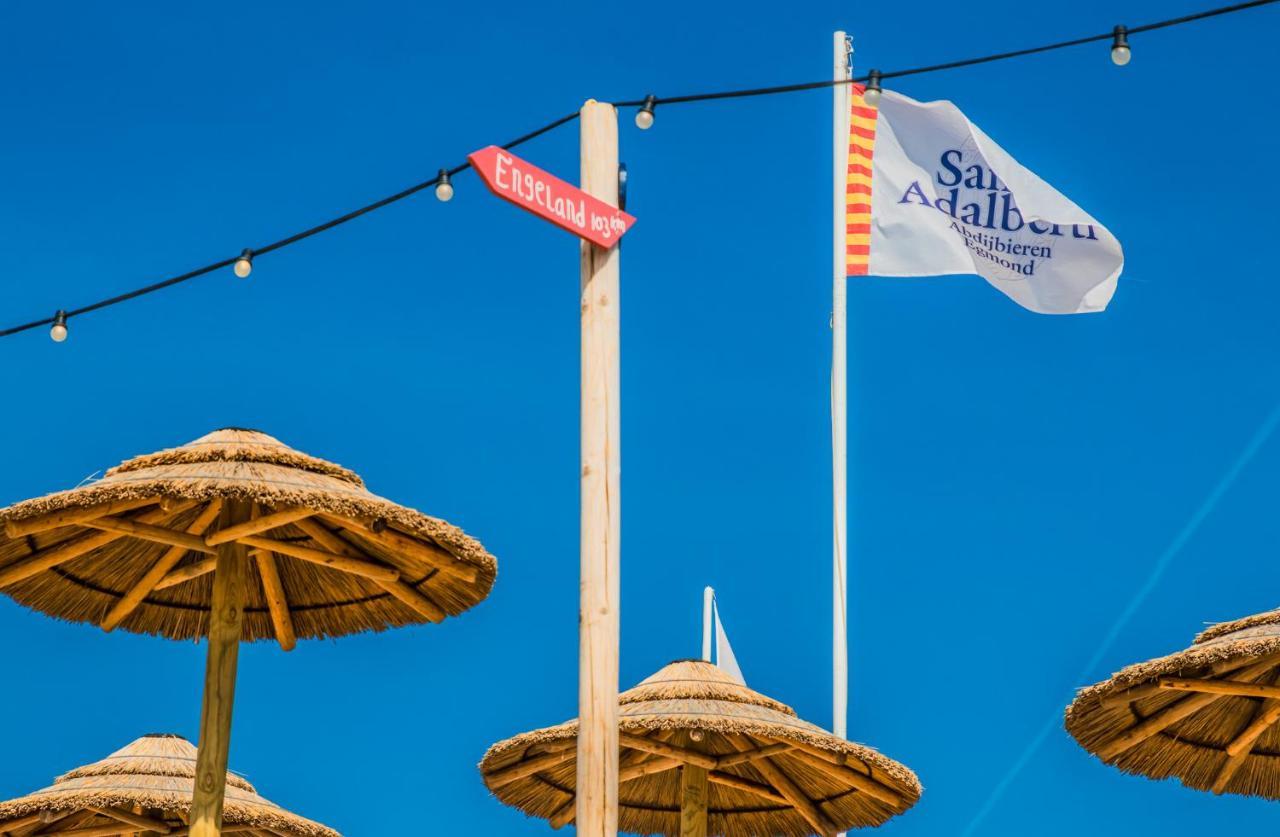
x=839 y=412
x=708 y=598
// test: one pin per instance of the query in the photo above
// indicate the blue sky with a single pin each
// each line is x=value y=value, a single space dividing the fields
x=1015 y=478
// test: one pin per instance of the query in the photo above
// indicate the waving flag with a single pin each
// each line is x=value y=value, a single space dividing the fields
x=928 y=193
x=713 y=629
x=724 y=652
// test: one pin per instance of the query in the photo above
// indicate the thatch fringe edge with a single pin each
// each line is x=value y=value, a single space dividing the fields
x=1184 y=662
x=358 y=504
x=904 y=778
x=234 y=812
x=229 y=451
x=1221 y=629
x=696 y=689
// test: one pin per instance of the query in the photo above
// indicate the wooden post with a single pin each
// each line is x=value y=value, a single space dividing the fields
x=597 y=806
x=693 y=801
x=225 y=617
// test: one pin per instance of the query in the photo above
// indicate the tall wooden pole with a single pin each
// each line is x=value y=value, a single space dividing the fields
x=693 y=801
x=597 y=805
x=225 y=618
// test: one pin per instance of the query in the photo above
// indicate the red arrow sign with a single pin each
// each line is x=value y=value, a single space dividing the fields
x=549 y=197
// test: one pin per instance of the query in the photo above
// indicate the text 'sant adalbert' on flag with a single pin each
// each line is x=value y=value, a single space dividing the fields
x=928 y=193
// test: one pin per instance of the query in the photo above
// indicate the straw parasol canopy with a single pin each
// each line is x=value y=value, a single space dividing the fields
x=144 y=787
x=1206 y=715
x=235 y=536
x=703 y=753
x=137 y=549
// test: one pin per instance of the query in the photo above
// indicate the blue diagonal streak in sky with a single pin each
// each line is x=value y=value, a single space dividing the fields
x=1184 y=535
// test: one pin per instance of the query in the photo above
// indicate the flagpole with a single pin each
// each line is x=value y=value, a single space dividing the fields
x=708 y=598
x=839 y=378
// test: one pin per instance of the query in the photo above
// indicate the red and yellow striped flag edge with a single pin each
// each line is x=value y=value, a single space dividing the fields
x=857 y=201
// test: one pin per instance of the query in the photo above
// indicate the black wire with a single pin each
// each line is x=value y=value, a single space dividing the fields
x=736 y=94
x=398 y=196
x=1221 y=10
x=1239 y=7
x=951 y=65
x=285 y=242
x=667 y=100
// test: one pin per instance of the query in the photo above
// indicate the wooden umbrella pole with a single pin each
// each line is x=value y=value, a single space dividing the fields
x=597 y=779
x=225 y=617
x=693 y=801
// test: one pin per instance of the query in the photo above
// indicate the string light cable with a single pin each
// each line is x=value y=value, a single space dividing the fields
x=242 y=264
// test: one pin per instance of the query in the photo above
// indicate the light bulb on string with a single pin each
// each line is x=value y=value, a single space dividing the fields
x=444 y=188
x=58 y=332
x=872 y=93
x=1120 y=53
x=244 y=264
x=644 y=116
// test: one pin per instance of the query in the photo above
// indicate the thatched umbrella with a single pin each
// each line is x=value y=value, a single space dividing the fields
x=145 y=788
x=701 y=754
x=270 y=541
x=1206 y=715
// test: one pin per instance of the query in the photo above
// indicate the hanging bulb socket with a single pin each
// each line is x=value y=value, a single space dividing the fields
x=58 y=331
x=1120 y=53
x=444 y=186
x=871 y=95
x=244 y=264
x=644 y=116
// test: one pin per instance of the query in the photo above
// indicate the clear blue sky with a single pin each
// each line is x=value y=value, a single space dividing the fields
x=1015 y=477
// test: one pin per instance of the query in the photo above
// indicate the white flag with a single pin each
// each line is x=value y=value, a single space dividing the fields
x=724 y=652
x=929 y=193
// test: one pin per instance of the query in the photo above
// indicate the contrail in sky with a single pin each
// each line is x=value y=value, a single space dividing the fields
x=1259 y=439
